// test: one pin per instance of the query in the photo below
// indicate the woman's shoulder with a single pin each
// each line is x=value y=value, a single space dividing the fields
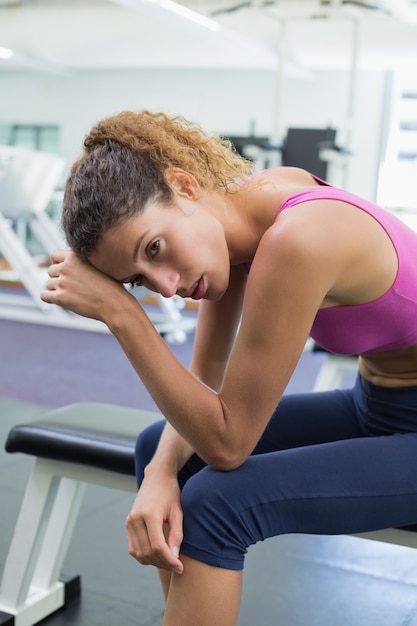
x=285 y=175
x=268 y=189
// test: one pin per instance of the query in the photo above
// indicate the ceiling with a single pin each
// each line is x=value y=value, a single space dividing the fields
x=66 y=36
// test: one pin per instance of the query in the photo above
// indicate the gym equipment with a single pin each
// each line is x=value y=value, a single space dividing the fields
x=74 y=445
x=28 y=182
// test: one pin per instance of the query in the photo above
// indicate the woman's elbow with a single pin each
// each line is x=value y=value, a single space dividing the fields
x=225 y=460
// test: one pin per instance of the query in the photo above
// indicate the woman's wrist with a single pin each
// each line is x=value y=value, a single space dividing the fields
x=168 y=461
x=162 y=469
x=119 y=312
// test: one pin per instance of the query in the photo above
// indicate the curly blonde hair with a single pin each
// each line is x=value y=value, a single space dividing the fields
x=122 y=166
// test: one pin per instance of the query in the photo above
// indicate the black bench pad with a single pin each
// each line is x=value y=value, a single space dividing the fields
x=94 y=434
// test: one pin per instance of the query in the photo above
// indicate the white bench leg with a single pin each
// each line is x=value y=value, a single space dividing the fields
x=30 y=589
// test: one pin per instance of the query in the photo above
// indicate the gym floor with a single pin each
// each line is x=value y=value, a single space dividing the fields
x=293 y=580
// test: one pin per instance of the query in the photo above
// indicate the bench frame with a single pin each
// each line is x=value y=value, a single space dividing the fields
x=31 y=588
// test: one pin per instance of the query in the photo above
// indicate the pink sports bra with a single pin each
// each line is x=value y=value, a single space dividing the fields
x=390 y=321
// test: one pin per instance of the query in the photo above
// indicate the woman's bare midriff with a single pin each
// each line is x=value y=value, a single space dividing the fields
x=396 y=368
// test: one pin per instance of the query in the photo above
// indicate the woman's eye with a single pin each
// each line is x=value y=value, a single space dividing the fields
x=136 y=281
x=154 y=248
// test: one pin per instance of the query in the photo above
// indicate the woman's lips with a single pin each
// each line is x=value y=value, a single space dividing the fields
x=199 y=290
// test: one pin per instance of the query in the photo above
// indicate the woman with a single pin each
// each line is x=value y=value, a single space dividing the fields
x=273 y=259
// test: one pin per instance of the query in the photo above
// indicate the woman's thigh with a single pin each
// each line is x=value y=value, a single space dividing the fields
x=309 y=418
x=347 y=486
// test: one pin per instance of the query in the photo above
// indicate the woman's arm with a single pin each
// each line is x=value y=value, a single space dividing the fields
x=157 y=503
x=154 y=524
x=214 y=337
x=289 y=278
x=216 y=330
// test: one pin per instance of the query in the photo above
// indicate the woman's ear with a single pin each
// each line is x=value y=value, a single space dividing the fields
x=182 y=183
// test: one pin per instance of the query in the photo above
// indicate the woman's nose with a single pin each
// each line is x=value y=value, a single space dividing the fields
x=164 y=282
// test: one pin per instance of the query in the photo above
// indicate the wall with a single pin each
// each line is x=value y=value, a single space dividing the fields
x=229 y=102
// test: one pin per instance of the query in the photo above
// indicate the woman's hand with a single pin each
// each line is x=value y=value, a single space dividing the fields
x=154 y=525
x=79 y=287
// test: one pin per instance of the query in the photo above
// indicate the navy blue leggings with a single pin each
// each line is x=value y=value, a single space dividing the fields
x=336 y=462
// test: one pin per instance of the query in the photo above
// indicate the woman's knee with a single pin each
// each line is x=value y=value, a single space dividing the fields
x=214 y=531
x=145 y=447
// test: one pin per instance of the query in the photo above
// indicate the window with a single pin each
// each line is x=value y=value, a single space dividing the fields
x=397 y=189
x=43 y=137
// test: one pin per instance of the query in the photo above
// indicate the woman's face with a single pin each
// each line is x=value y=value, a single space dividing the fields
x=176 y=249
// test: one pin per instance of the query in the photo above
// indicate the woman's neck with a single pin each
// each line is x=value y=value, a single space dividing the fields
x=247 y=216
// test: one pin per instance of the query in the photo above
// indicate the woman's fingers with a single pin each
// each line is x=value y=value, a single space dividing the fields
x=161 y=551
x=54 y=272
x=147 y=544
x=154 y=525
x=79 y=287
x=174 y=535
x=58 y=255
